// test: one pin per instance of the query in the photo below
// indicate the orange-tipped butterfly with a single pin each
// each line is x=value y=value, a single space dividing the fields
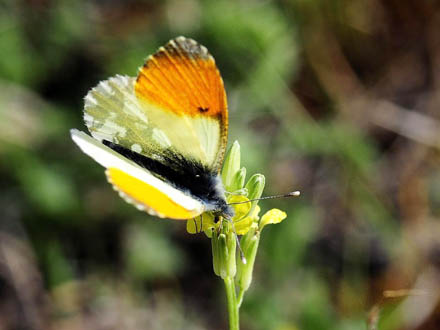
x=162 y=136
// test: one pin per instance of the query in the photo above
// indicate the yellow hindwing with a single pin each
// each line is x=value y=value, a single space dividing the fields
x=148 y=196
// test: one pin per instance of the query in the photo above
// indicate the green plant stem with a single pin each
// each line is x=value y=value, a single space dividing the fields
x=232 y=304
x=240 y=297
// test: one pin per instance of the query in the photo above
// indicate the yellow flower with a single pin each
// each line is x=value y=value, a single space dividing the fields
x=246 y=212
x=201 y=223
x=242 y=226
x=272 y=216
x=242 y=219
x=241 y=210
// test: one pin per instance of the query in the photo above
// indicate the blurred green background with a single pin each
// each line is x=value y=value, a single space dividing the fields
x=336 y=98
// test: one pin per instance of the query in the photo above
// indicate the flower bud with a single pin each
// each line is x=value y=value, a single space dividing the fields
x=249 y=246
x=255 y=186
x=215 y=252
x=224 y=252
x=238 y=180
x=231 y=241
x=231 y=165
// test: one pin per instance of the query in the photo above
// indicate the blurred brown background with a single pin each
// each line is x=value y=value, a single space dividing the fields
x=337 y=98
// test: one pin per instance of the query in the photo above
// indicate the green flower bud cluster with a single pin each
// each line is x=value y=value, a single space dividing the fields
x=234 y=262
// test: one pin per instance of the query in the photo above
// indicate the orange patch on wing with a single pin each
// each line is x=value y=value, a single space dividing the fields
x=147 y=195
x=182 y=77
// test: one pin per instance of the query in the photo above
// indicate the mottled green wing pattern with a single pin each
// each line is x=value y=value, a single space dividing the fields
x=112 y=112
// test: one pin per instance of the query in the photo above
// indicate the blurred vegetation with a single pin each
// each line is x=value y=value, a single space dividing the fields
x=336 y=98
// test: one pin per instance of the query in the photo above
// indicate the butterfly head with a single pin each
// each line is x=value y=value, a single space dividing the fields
x=225 y=210
x=216 y=200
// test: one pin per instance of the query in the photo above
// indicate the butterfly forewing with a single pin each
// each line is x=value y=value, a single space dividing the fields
x=177 y=103
x=181 y=89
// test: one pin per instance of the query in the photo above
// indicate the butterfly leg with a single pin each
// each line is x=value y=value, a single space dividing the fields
x=242 y=257
x=195 y=224
x=201 y=222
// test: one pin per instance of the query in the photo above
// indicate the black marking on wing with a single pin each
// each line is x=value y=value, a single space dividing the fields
x=183 y=174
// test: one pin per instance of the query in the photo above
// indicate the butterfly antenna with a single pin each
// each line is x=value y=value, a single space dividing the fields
x=291 y=194
x=242 y=257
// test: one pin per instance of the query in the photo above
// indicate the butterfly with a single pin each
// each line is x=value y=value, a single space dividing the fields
x=162 y=135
